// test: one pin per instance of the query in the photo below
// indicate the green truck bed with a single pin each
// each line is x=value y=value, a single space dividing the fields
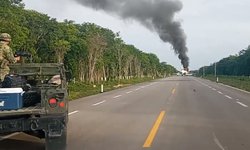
x=34 y=110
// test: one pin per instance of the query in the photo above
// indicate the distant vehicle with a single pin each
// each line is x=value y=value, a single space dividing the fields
x=184 y=72
x=189 y=74
x=36 y=103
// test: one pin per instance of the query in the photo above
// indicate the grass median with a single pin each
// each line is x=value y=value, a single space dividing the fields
x=81 y=89
x=241 y=82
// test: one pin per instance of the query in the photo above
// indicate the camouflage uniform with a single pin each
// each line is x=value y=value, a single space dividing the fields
x=6 y=55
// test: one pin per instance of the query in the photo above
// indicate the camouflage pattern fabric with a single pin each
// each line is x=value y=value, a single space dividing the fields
x=3 y=73
x=5 y=37
x=6 y=57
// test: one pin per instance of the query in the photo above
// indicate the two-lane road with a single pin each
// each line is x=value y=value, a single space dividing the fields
x=177 y=113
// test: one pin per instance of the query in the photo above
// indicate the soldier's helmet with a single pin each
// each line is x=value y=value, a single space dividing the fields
x=5 y=37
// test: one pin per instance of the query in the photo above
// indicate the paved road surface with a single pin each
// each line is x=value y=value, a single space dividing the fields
x=177 y=113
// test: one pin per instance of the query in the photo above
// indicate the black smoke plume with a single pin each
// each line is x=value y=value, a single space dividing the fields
x=156 y=15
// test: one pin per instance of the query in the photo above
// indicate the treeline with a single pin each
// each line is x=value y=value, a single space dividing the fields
x=234 y=65
x=90 y=53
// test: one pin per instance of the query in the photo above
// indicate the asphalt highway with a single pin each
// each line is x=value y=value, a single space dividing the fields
x=176 y=113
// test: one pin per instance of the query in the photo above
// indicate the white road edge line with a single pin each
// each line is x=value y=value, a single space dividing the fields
x=219 y=92
x=244 y=105
x=74 y=112
x=234 y=88
x=228 y=97
x=117 y=96
x=217 y=142
x=8 y=136
x=99 y=103
x=137 y=89
x=214 y=89
x=129 y=92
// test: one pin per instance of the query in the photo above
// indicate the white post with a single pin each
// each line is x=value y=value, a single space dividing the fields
x=102 y=88
x=217 y=79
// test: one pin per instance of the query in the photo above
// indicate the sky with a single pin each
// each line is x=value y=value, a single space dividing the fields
x=215 y=29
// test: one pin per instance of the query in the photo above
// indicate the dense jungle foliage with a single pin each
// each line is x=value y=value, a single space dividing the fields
x=90 y=53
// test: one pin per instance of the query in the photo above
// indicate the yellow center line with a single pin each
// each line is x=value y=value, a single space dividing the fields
x=153 y=131
x=173 y=91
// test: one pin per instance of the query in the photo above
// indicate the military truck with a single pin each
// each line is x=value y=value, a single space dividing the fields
x=42 y=108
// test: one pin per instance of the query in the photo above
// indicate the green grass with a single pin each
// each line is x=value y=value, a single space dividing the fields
x=80 y=89
x=241 y=82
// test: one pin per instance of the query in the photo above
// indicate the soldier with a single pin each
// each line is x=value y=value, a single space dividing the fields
x=6 y=55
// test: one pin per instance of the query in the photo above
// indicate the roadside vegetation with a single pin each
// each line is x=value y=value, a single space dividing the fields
x=92 y=55
x=233 y=70
x=241 y=82
x=234 y=65
x=80 y=89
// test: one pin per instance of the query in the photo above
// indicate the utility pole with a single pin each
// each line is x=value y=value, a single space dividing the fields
x=215 y=69
x=215 y=72
x=204 y=71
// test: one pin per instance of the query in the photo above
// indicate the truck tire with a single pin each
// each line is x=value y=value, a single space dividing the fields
x=56 y=143
x=31 y=98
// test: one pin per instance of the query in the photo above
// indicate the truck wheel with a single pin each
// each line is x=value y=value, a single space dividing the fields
x=56 y=143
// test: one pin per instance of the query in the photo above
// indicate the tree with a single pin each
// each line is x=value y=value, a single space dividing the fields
x=95 y=45
x=90 y=53
x=61 y=47
x=236 y=65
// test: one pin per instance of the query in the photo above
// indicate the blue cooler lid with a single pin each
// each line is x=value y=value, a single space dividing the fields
x=10 y=90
